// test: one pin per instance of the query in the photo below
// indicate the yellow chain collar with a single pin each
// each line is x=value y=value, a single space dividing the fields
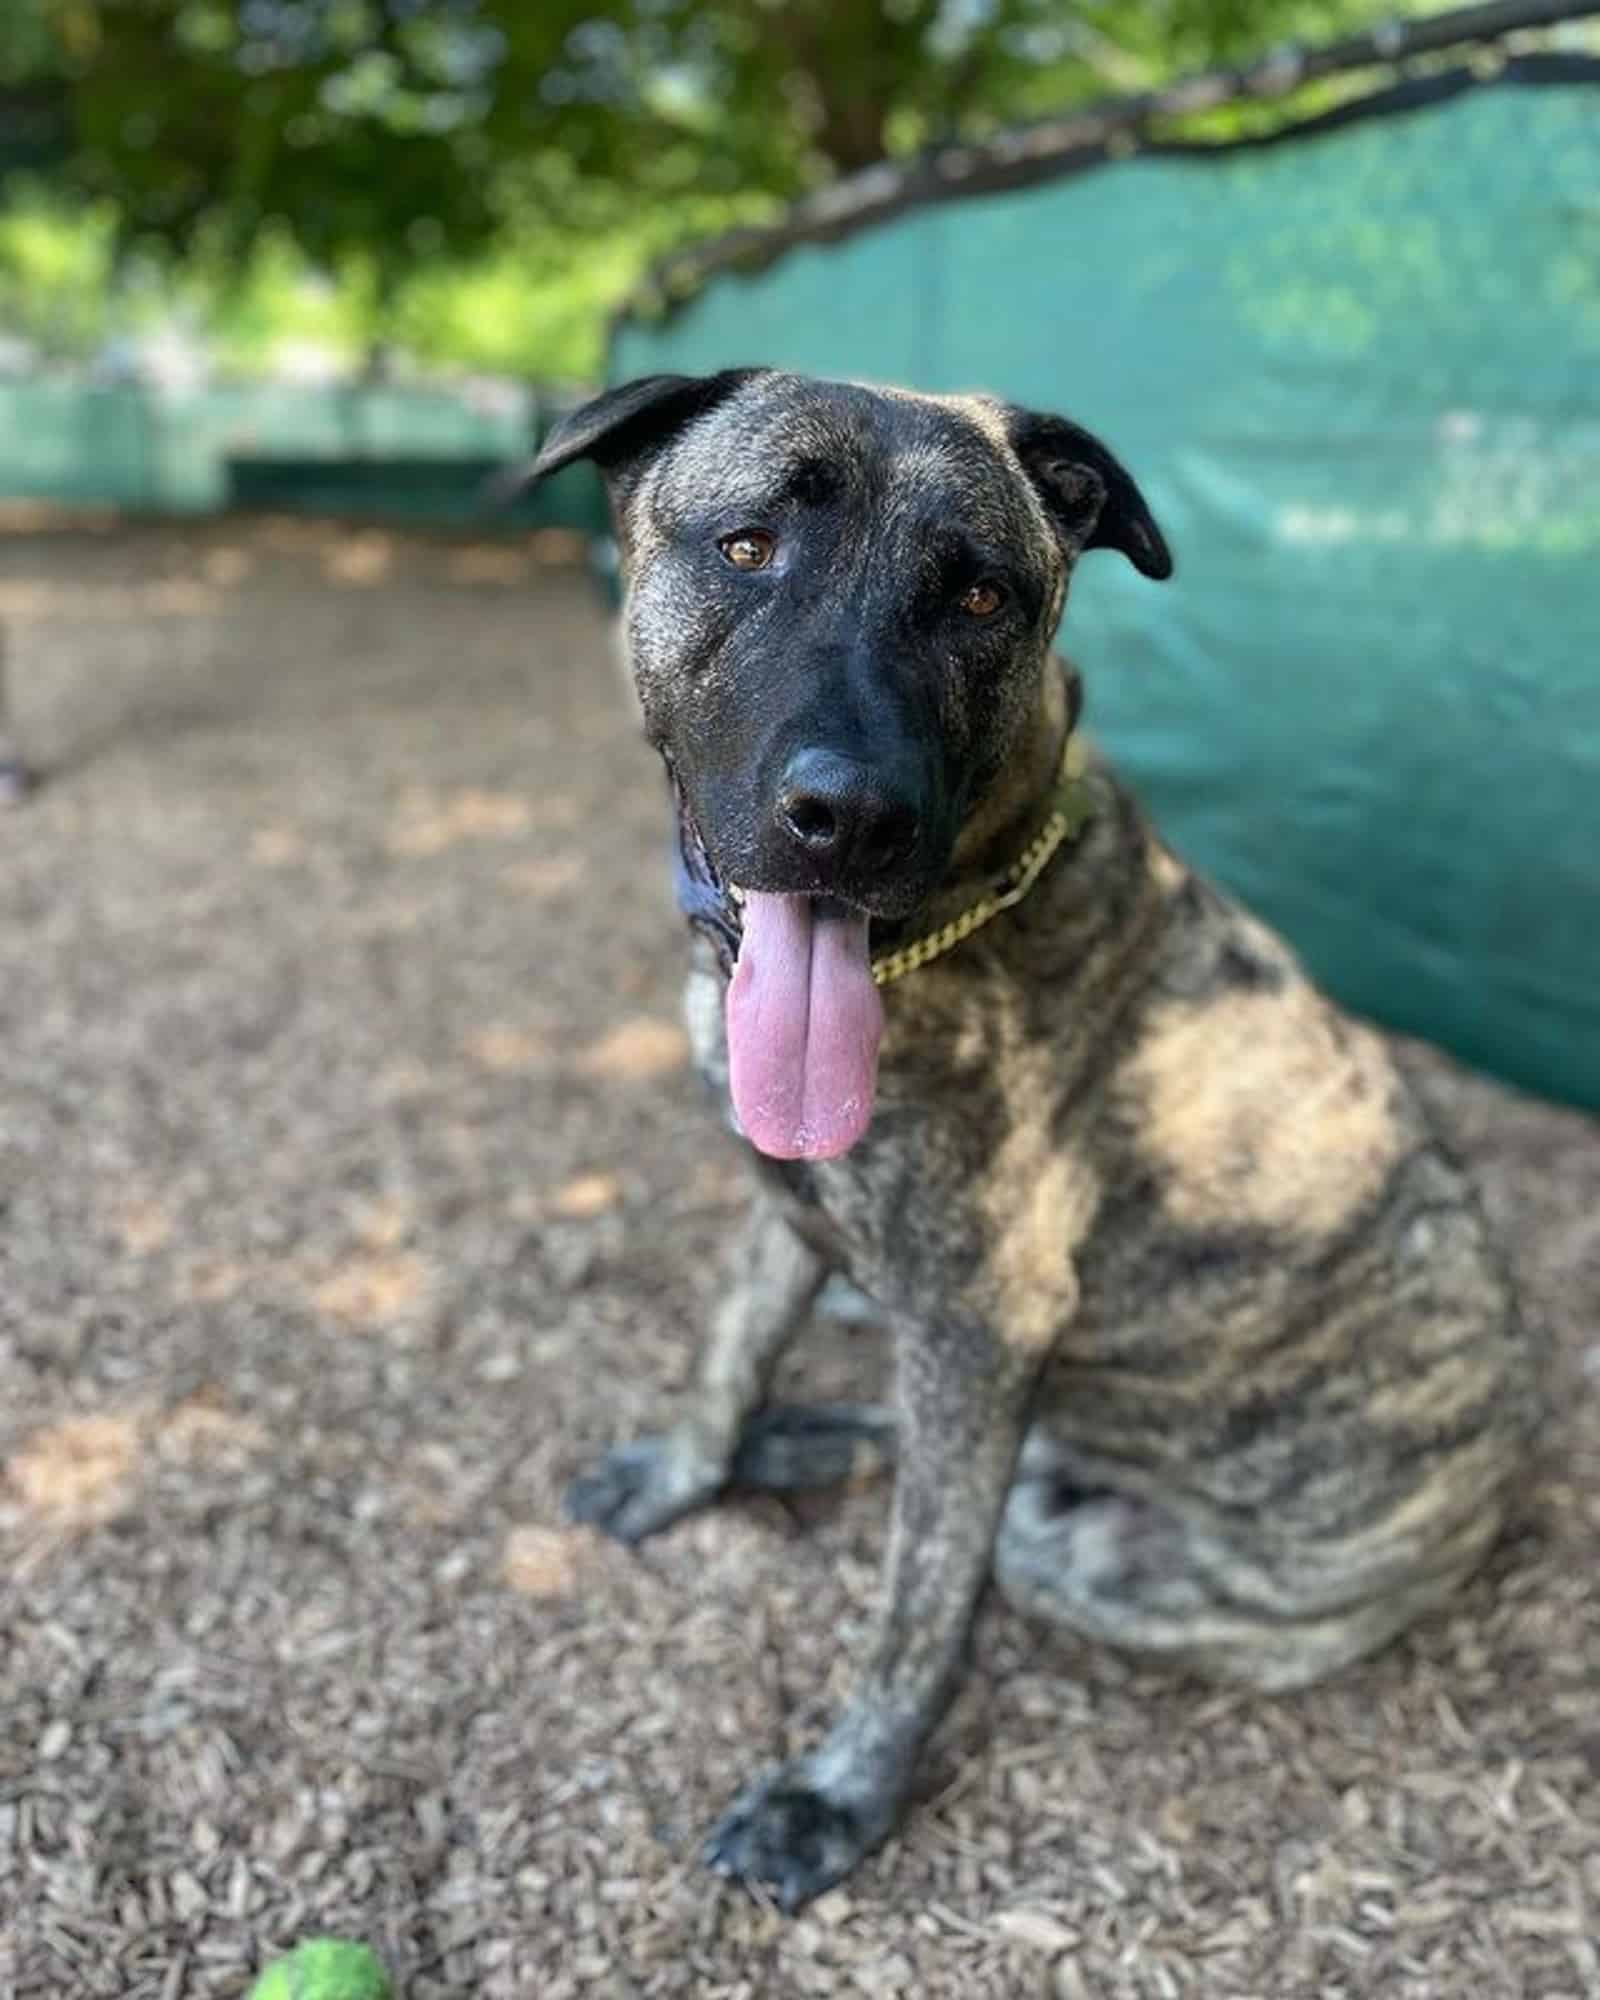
x=1069 y=811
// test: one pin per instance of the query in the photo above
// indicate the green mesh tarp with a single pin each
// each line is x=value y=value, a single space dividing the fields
x=403 y=453
x=1358 y=374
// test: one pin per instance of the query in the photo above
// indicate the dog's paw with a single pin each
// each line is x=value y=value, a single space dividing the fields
x=786 y=1835
x=638 y=1489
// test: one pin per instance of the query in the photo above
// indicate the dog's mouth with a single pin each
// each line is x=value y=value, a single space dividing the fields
x=804 y=1021
x=803 y=1014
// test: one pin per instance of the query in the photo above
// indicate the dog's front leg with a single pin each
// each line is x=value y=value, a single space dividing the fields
x=963 y=1399
x=772 y=1279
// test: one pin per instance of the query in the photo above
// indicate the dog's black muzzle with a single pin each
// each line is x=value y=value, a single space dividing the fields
x=851 y=821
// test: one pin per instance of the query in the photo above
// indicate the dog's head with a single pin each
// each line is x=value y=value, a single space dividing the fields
x=840 y=606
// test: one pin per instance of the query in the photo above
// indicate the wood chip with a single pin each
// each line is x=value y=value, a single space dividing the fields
x=638 y=1050
x=1036 y=1929
x=542 y=1562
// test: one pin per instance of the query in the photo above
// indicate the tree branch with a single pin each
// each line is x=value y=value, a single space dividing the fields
x=1031 y=150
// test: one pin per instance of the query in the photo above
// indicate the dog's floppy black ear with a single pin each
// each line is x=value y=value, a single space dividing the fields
x=620 y=429
x=1090 y=496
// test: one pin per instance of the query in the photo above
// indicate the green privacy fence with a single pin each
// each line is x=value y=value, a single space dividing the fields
x=1357 y=370
x=401 y=453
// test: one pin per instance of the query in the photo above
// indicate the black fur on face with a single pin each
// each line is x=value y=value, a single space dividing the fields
x=841 y=601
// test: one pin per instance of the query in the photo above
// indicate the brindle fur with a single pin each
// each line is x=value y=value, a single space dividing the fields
x=1200 y=1344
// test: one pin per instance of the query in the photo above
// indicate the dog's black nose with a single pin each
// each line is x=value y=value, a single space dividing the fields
x=849 y=819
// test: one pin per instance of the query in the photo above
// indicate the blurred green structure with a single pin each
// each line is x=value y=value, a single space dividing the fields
x=397 y=453
x=1357 y=369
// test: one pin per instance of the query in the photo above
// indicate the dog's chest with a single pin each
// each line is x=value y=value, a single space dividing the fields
x=959 y=1173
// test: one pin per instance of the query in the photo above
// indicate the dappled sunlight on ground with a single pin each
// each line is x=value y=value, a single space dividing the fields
x=355 y=1191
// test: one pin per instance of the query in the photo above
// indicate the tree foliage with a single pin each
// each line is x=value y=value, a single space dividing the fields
x=411 y=128
x=401 y=140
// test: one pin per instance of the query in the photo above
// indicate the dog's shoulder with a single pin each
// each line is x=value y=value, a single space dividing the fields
x=1253 y=1099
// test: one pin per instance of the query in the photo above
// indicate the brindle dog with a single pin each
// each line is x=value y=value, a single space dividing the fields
x=1200 y=1344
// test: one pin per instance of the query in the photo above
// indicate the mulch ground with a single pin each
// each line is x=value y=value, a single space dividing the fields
x=353 y=1193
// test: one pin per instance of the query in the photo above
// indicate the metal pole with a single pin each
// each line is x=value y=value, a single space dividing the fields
x=16 y=780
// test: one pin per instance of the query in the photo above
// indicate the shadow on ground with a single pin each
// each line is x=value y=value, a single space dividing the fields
x=353 y=1192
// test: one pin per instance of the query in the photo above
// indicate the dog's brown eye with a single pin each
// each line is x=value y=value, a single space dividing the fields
x=751 y=548
x=983 y=600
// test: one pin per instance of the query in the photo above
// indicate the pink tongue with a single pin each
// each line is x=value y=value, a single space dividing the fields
x=804 y=1020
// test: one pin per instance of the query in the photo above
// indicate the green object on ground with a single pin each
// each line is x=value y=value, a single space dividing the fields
x=324 y=1969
